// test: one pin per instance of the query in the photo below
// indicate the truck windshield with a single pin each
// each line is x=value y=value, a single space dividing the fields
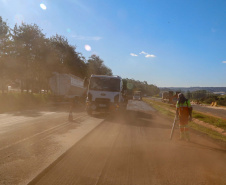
x=105 y=84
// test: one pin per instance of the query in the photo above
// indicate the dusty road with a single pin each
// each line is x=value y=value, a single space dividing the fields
x=31 y=140
x=134 y=149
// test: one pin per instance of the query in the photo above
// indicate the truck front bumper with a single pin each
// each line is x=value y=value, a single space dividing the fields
x=95 y=106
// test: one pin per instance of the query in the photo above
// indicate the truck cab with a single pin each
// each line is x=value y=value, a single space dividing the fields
x=105 y=93
x=137 y=95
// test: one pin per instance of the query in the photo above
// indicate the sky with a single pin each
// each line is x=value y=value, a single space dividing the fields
x=168 y=43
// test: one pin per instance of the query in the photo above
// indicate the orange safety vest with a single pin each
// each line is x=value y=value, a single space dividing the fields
x=183 y=111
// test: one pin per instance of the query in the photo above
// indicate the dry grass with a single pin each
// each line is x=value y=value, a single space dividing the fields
x=167 y=110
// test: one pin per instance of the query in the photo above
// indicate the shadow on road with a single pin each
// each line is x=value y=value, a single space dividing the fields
x=56 y=107
x=101 y=115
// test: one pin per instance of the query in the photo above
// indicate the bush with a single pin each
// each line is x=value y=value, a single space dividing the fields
x=17 y=101
x=221 y=102
x=209 y=100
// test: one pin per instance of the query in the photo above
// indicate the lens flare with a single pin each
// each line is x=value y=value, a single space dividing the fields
x=87 y=48
x=68 y=30
x=43 y=6
x=129 y=85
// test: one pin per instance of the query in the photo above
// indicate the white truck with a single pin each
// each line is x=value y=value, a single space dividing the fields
x=66 y=85
x=105 y=93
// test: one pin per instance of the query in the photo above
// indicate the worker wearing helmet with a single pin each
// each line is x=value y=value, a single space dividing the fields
x=184 y=114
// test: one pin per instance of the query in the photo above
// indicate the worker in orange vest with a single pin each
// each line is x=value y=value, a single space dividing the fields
x=184 y=114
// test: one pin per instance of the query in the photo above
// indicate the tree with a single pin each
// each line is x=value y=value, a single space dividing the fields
x=197 y=95
x=4 y=52
x=144 y=87
x=63 y=57
x=96 y=66
x=29 y=48
x=189 y=94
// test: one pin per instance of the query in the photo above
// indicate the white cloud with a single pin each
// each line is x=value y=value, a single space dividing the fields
x=133 y=54
x=224 y=62
x=80 y=37
x=142 y=52
x=147 y=55
x=150 y=56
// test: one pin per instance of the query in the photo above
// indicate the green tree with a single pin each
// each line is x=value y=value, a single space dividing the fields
x=197 y=95
x=63 y=57
x=96 y=66
x=4 y=53
x=29 y=42
x=188 y=94
x=144 y=87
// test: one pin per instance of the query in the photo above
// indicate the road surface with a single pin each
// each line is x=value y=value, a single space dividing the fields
x=131 y=148
x=214 y=111
x=31 y=140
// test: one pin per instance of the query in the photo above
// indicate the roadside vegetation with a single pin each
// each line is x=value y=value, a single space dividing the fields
x=206 y=97
x=168 y=110
x=19 y=101
x=28 y=59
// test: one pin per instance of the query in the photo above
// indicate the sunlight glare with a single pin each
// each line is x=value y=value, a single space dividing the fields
x=87 y=48
x=43 y=6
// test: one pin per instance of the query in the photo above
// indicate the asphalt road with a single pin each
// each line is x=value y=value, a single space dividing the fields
x=214 y=111
x=31 y=140
x=133 y=148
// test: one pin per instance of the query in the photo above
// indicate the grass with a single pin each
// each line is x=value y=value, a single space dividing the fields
x=218 y=122
x=167 y=110
x=211 y=133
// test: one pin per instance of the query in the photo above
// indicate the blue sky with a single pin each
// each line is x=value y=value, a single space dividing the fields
x=168 y=43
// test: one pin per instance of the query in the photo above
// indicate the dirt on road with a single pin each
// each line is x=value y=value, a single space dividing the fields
x=133 y=148
x=31 y=140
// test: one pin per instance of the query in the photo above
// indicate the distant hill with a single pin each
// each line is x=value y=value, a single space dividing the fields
x=191 y=89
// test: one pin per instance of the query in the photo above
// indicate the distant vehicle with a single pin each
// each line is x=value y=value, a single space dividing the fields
x=169 y=97
x=137 y=95
x=66 y=85
x=105 y=93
